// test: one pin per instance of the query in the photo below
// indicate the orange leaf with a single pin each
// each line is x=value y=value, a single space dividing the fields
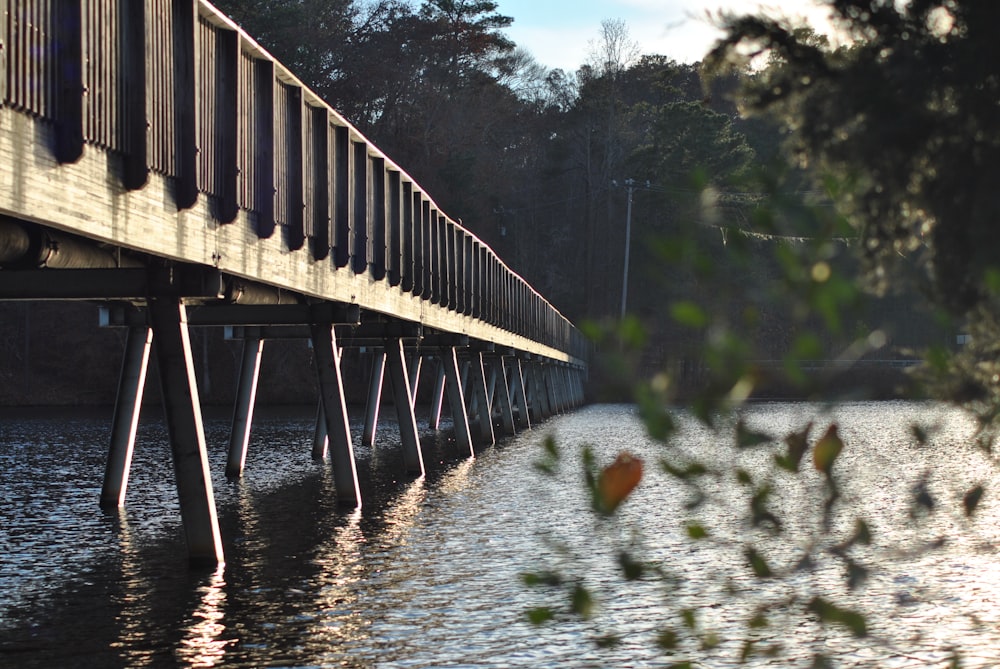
x=827 y=449
x=618 y=480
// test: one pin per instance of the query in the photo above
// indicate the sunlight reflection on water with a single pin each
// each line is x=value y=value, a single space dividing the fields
x=428 y=572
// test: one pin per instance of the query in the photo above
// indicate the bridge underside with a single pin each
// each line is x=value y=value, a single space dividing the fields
x=153 y=158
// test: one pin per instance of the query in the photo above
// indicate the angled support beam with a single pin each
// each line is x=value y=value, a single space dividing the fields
x=331 y=388
x=128 y=405
x=518 y=398
x=185 y=429
x=437 y=397
x=395 y=357
x=246 y=396
x=502 y=395
x=540 y=397
x=456 y=399
x=416 y=361
x=320 y=441
x=374 y=397
x=483 y=435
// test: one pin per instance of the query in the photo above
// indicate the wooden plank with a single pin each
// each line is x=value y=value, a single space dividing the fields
x=227 y=84
x=406 y=228
x=185 y=102
x=343 y=203
x=317 y=227
x=295 y=197
x=69 y=64
x=263 y=109
x=4 y=48
x=377 y=216
x=361 y=191
x=417 y=245
x=394 y=203
x=135 y=172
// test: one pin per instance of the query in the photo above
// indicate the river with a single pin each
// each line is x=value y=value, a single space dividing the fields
x=429 y=572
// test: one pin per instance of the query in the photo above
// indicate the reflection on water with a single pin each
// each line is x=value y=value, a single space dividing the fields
x=204 y=644
x=427 y=573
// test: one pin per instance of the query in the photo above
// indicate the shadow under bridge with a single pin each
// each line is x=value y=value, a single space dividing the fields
x=155 y=159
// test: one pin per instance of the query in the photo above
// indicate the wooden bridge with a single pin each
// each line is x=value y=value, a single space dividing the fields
x=157 y=160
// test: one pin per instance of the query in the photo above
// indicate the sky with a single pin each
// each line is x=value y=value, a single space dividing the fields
x=559 y=33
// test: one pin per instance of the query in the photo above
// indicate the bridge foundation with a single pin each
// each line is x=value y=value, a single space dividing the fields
x=334 y=409
x=131 y=384
x=456 y=400
x=246 y=395
x=185 y=430
x=374 y=402
x=395 y=357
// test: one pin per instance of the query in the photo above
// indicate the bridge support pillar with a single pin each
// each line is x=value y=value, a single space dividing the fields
x=437 y=398
x=185 y=429
x=415 y=362
x=128 y=405
x=558 y=388
x=331 y=389
x=483 y=435
x=400 y=382
x=539 y=397
x=549 y=386
x=374 y=397
x=518 y=398
x=501 y=395
x=246 y=396
x=456 y=399
x=320 y=440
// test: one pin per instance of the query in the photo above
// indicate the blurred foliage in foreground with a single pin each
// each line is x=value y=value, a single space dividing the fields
x=898 y=129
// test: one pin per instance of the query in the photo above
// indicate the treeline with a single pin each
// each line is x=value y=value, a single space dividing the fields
x=541 y=164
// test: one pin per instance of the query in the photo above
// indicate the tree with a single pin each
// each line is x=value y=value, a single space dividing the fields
x=898 y=130
x=901 y=125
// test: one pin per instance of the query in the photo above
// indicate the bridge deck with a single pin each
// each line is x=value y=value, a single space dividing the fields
x=151 y=153
x=160 y=128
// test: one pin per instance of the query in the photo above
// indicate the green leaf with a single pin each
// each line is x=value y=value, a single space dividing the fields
x=830 y=613
x=747 y=438
x=608 y=641
x=667 y=639
x=971 y=500
x=550 y=578
x=862 y=533
x=798 y=444
x=539 y=615
x=758 y=564
x=696 y=531
x=689 y=619
x=581 y=601
x=689 y=314
x=632 y=569
x=856 y=574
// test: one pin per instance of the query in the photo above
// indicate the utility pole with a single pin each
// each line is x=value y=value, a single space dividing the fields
x=630 y=188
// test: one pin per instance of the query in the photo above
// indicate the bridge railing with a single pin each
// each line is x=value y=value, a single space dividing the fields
x=175 y=88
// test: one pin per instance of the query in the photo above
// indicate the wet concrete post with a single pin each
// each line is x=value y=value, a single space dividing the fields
x=518 y=399
x=483 y=435
x=401 y=397
x=331 y=389
x=374 y=402
x=246 y=396
x=456 y=400
x=128 y=404
x=182 y=410
x=501 y=397
x=437 y=396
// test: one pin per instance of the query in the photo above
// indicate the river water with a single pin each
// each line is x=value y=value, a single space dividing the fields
x=428 y=573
